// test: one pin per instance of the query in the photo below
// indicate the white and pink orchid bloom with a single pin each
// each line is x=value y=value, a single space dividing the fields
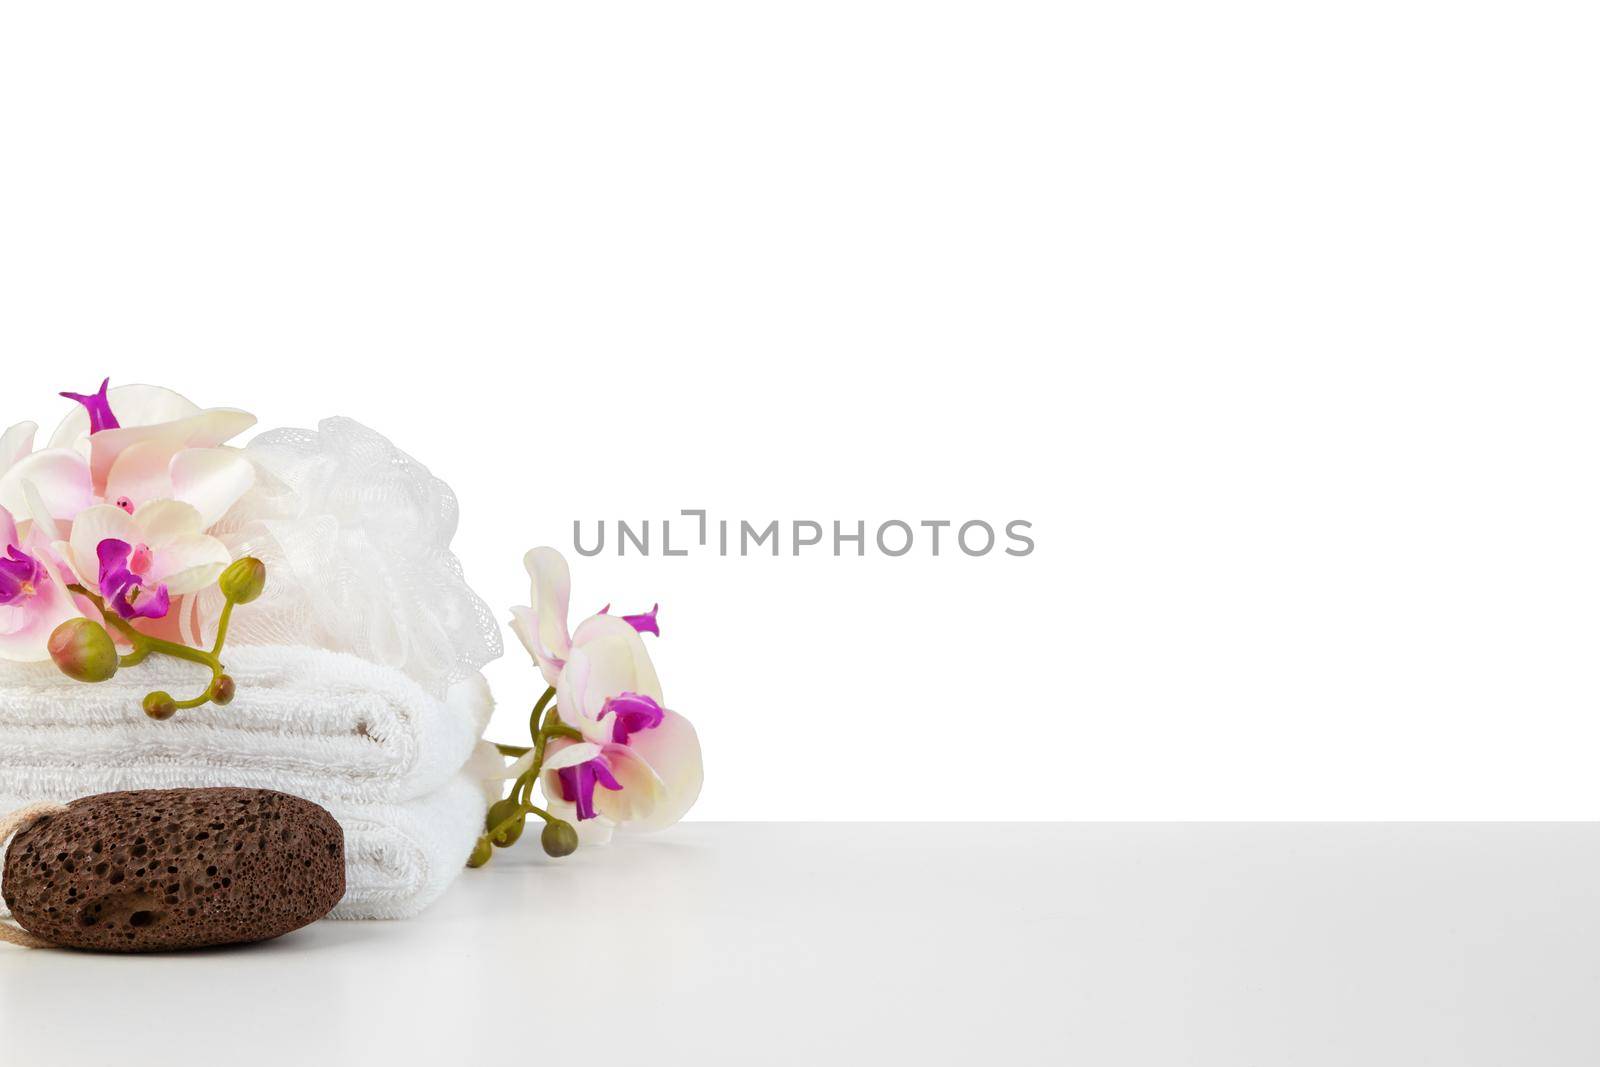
x=542 y=628
x=644 y=784
x=138 y=562
x=639 y=765
x=127 y=446
x=33 y=597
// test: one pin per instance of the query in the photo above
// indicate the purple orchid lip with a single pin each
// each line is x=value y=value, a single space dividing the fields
x=634 y=712
x=645 y=624
x=577 y=784
x=123 y=588
x=19 y=575
x=100 y=414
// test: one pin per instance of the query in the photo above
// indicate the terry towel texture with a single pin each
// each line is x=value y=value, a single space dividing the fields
x=322 y=725
x=389 y=761
x=399 y=858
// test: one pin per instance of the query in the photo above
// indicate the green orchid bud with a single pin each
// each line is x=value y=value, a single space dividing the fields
x=222 y=690
x=83 y=650
x=160 y=705
x=480 y=853
x=559 y=839
x=244 y=579
x=499 y=812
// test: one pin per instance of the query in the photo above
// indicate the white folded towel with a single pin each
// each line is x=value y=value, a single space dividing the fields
x=400 y=857
x=392 y=763
x=323 y=725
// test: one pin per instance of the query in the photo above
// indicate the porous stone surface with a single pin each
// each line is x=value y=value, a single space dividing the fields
x=158 y=869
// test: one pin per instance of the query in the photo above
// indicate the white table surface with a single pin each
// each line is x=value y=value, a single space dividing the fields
x=1277 y=945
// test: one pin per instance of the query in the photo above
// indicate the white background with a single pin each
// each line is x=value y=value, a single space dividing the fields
x=1277 y=321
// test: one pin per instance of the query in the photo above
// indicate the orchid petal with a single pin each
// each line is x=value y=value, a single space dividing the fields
x=486 y=766
x=619 y=663
x=571 y=689
x=190 y=623
x=569 y=755
x=62 y=550
x=61 y=476
x=642 y=793
x=133 y=405
x=206 y=429
x=8 y=529
x=29 y=642
x=25 y=628
x=550 y=590
x=15 y=443
x=517 y=767
x=92 y=526
x=38 y=514
x=211 y=479
x=164 y=520
x=140 y=474
x=188 y=563
x=525 y=624
x=672 y=752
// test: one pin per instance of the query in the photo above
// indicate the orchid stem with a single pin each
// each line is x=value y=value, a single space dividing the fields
x=545 y=815
x=144 y=644
x=522 y=789
x=506 y=824
x=222 y=627
x=538 y=709
x=545 y=723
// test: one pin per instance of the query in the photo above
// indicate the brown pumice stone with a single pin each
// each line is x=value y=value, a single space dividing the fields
x=158 y=869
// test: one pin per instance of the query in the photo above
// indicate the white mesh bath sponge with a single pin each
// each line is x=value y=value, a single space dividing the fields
x=356 y=538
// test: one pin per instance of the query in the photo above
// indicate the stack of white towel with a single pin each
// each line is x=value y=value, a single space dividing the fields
x=350 y=693
x=389 y=761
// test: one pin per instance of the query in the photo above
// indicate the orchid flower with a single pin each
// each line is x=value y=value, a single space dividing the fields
x=542 y=628
x=127 y=447
x=33 y=598
x=645 y=783
x=645 y=758
x=637 y=765
x=105 y=528
x=127 y=591
x=138 y=562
